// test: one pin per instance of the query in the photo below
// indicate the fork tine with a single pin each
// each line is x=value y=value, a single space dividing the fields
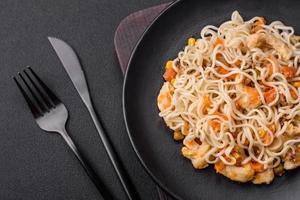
x=35 y=111
x=45 y=99
x=42 y=107
x=50 y=94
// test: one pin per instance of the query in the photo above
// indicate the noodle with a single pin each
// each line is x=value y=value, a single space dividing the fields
x=232 y=95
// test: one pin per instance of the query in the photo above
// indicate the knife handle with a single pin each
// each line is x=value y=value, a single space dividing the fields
x=117 y=164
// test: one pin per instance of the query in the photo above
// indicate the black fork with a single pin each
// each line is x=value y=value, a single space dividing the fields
x=51 y=115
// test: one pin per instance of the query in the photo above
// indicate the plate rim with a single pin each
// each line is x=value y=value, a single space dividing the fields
x=149 y=172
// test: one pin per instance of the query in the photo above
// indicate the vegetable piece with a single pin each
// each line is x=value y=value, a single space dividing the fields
x=238 y=63
x=272 y=128
x=270 y=95
x=297 y=84
x=169 y=64
x=288 y=72
x=294 y=94
x=257 y=167
x=216 y=124
x=169 y=74
x=267 y=138
x=238 y=158
x=262 y=133
x=218 y=41
x=205 y=103
x=173 y=81
x=178 y=135
x=219 y=166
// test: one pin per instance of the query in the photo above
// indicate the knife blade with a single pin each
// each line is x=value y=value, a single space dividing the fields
x=73 y=68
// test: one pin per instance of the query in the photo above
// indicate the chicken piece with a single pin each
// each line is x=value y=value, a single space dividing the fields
x=292 y=161
x=195 y=152
x=295 y=39
x=280 y=47
x=279 y=170
x=243 y=173
x=262 y=40
x=264 y=177
x=292 y=130
x=256 y=40
x=258 y=25
x=291 y=164
x=199 y=162
x=250 y=97
x=164 y=99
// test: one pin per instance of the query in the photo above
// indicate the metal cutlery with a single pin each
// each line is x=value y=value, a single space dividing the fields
x=73 y=68
x=51 y=115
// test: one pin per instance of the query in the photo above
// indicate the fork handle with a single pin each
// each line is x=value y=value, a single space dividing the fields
x=90 y=172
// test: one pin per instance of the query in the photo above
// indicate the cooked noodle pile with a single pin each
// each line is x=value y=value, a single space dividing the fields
x=232 y=96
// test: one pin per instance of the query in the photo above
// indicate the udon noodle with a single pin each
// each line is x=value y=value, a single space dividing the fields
x=232 y=96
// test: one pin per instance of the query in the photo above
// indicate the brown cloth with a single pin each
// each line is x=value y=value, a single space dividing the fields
x=127 y=34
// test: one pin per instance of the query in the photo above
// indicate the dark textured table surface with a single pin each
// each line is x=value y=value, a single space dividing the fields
x=35 y=165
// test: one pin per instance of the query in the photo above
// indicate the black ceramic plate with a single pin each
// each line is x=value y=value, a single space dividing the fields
x=151 y=139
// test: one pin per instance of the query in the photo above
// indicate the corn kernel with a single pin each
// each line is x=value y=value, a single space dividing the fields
x=186 y=152
x=296 y=84
x=185 y=128
x=173 y=81
x=178 y=135
x=246 y=142
x=171 y=89
x=236 y=155
x=261 y=133
x=169 y=64
x=290 y=129
x=272 y=128
x=191 y=41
